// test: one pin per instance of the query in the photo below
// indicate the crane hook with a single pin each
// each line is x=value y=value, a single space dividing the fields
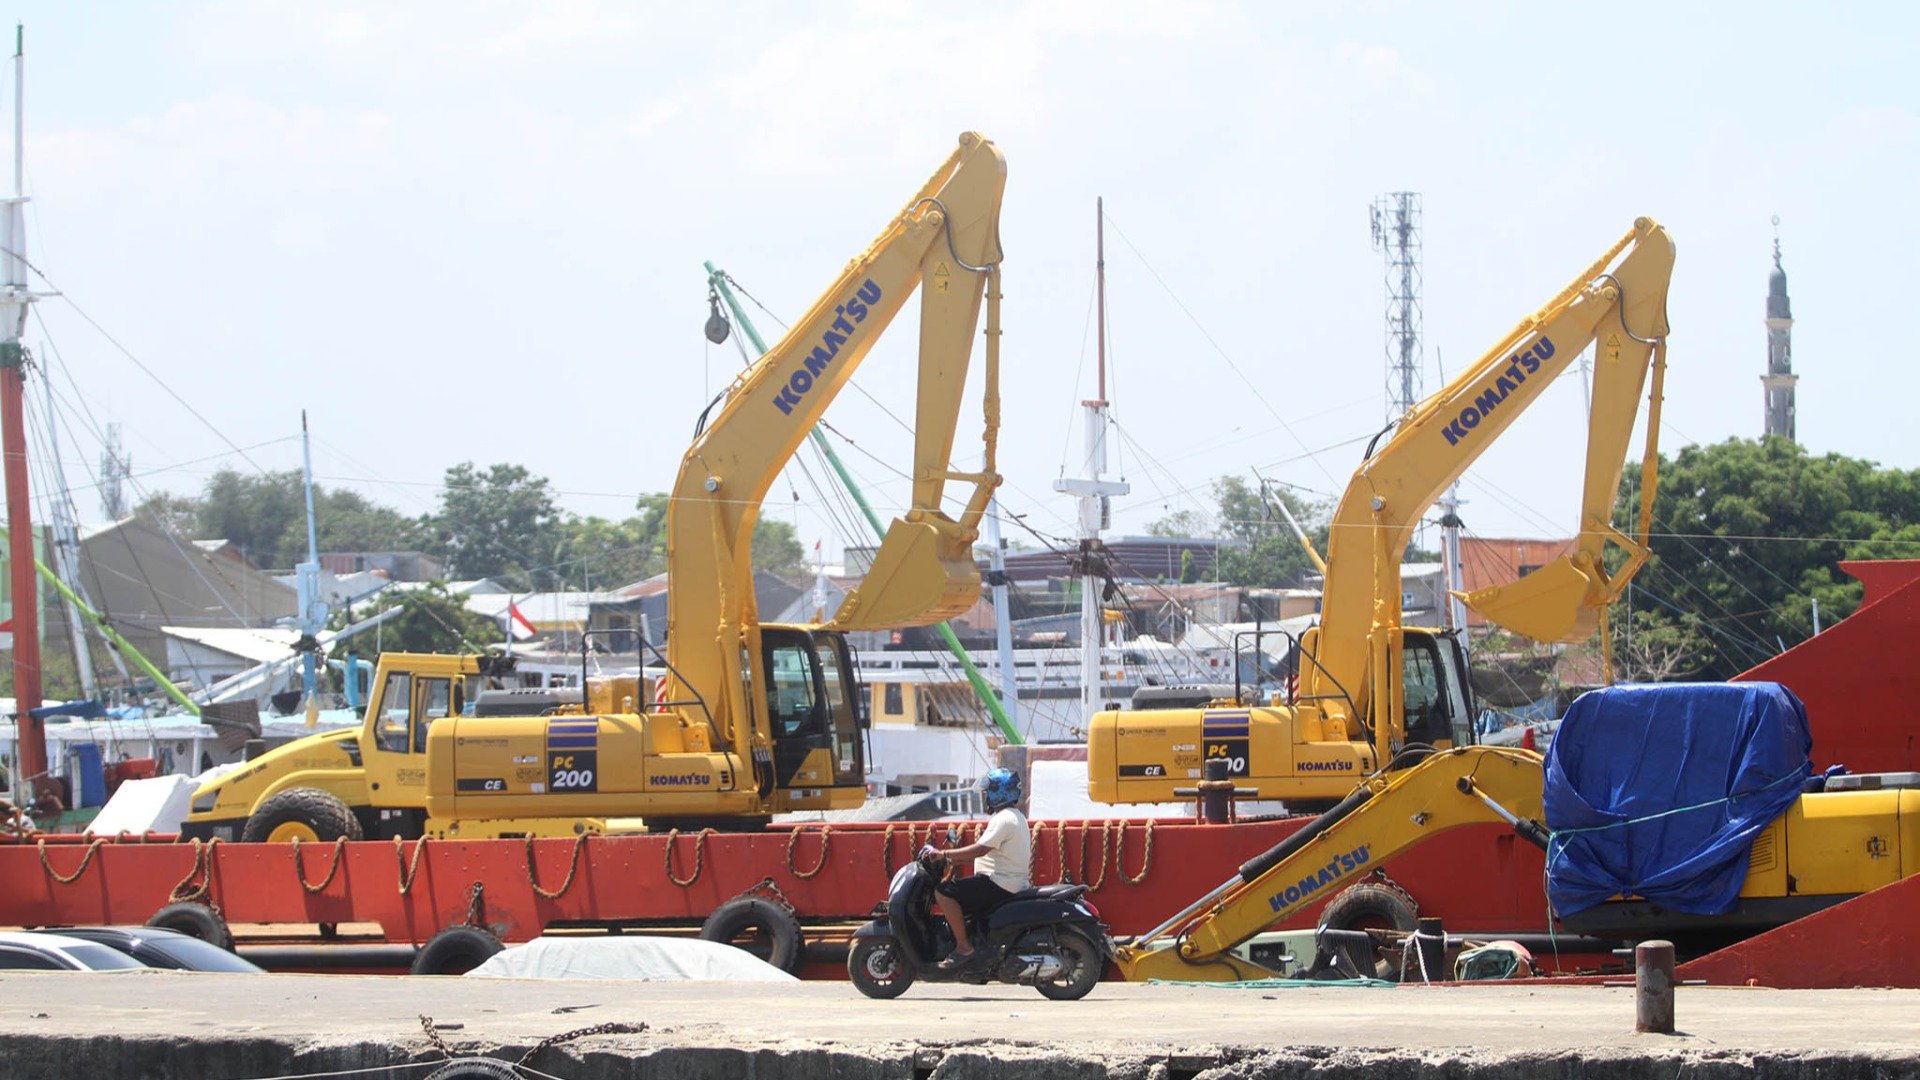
x=717 y=325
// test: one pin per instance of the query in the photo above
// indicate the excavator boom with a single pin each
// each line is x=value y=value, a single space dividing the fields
x=1384 y=816
x=946 y=243
x=1368 y=685
x=1619 y=304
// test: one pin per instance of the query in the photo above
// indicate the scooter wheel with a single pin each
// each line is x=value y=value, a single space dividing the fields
x=879 y=968
x=1085 y=963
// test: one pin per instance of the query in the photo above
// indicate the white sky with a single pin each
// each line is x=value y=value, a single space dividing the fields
x=461 y=231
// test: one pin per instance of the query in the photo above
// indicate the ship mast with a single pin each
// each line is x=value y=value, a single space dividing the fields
x=313 y=609
x=1093 y=493
x=15 y=298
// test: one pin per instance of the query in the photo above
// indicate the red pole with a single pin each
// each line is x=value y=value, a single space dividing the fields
x=31 y=738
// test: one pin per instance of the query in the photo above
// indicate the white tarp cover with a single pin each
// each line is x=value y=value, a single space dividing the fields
x=159 y=804
x=629 y=957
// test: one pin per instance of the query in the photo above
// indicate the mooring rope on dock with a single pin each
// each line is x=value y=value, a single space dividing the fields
x=1113 y=848
x=408 y=871
x=202 y=868
x=85 y=861
x=699 y=855
x=573 y=867
x=826 y=838
x=339 y=853
x=1146 y=855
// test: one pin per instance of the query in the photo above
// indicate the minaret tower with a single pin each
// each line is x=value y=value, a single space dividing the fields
x=1779 y=378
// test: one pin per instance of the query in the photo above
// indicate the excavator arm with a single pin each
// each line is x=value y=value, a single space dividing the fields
x=1618 y=304
x=1385 y=815
x=946 y=242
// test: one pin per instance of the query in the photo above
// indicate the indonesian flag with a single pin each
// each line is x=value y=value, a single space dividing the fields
x=521 y=626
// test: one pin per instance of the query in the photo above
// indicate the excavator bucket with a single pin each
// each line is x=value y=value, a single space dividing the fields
x=1547 y=605
x=923 y=573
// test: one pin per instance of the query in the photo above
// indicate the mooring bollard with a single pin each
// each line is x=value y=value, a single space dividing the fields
x=1216 y=792
x=1431 y=939
x=1653 y=987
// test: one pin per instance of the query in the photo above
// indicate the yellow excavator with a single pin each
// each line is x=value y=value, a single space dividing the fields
x=1370 y=687
x=1827 y=847
x=754 y=719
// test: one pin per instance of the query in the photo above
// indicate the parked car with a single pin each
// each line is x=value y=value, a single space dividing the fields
x=37 y=951
x=159 y=948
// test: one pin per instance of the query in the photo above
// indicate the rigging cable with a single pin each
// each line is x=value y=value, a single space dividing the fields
x=1252 y=387
x=136 y=361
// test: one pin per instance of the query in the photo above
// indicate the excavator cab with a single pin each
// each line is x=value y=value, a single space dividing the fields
x=813 y=713
x=1438 y=698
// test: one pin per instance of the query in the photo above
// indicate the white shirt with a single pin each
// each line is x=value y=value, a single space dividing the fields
x=1010 y=862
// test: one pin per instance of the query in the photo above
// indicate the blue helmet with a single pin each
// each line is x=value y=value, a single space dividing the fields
x=1000 y=788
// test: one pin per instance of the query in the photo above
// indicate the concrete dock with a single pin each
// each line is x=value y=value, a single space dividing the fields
x=157 y=1025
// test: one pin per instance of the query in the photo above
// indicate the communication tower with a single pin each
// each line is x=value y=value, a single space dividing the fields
x=115 y=468
x=1396 y=235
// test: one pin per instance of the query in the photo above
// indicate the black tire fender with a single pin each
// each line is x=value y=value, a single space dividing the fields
x=1369 y=905
x=322 y=811
x=475 y=1069
x=455 y=951
x=781 y=931
x=194 y=920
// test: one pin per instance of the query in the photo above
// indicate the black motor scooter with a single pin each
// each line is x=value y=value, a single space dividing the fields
x=1049 y=938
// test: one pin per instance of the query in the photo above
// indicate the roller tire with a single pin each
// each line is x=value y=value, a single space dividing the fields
x=319 y=813
x=878 y=968
x=455 y=951
x=1088 y=962
x=1369 y=906
x=194 y=920
x=775 y=935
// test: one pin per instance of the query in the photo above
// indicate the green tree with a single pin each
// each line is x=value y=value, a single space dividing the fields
x=1269 y=555
x=1747 y=535
x=498 y=523
x=776 y=548
x=434 y=620
x=1183 y=524
x=348 y=521
x=259 y=514
x=608 y=553
x=176 y=514
x=265 y=515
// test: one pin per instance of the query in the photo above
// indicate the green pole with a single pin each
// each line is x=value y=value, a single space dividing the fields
x=113 y=637
x=718 y=279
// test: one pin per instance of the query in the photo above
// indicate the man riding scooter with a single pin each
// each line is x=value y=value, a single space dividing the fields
x=994 y=928
x=1002 y=862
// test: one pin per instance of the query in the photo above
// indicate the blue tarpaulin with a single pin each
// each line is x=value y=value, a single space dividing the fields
x=80 y=710
x=1658 y=791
